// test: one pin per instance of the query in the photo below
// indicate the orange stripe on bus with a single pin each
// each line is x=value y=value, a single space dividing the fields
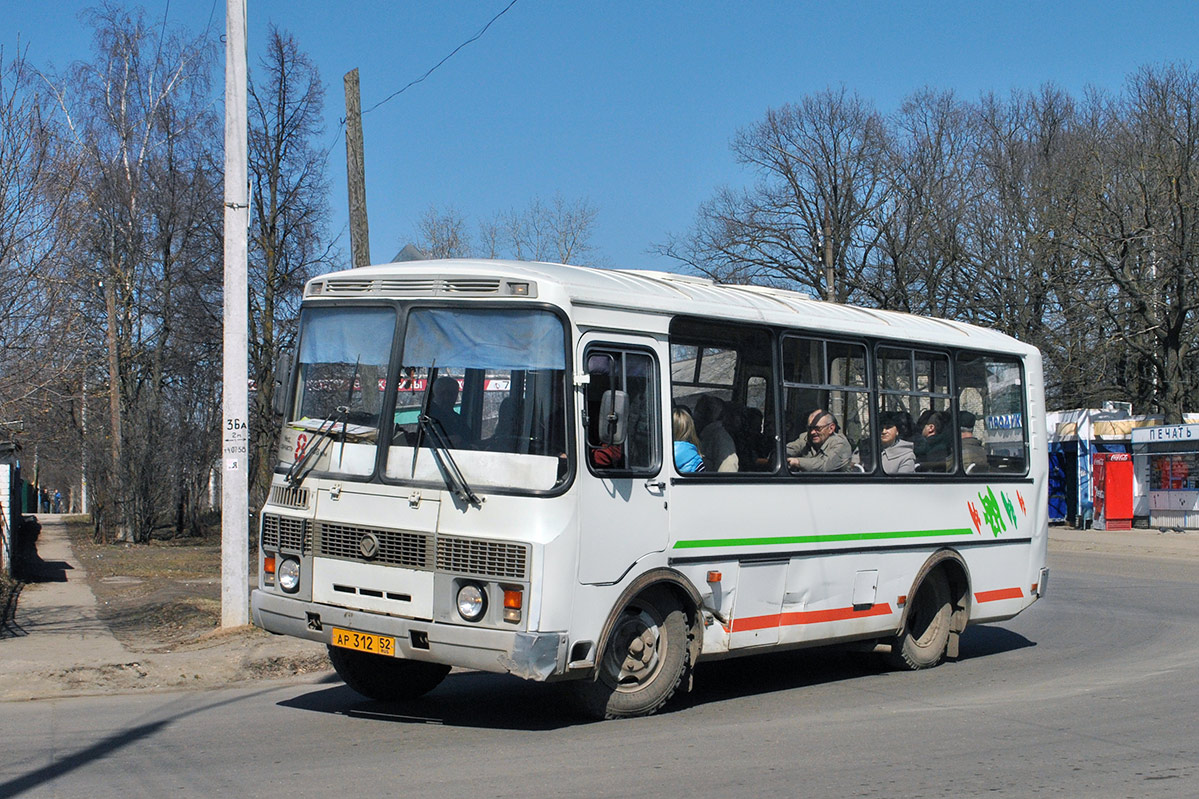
x=1002 y=593
x=807 y=617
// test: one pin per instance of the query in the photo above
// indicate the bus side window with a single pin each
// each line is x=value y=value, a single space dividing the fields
x=634 y=373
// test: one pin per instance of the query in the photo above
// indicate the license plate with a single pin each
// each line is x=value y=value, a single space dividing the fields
x=364 y=642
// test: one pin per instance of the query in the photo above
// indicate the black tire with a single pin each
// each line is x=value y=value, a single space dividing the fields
x=645 y=660
x=386 y=678
x=926 y=628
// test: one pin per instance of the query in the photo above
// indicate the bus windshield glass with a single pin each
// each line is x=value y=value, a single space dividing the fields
x=342 y=369
x=495 y=381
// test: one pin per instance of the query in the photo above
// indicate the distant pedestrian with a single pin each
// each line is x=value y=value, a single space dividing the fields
x=58 y=502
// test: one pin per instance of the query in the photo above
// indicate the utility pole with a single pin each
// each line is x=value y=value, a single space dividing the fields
x=235 y=515
x=360 y=244
x=830 y=275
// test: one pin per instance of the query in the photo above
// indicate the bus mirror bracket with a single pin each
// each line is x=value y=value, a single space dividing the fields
x=614 y=416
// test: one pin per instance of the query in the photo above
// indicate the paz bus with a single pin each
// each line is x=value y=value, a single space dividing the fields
x=476 y=470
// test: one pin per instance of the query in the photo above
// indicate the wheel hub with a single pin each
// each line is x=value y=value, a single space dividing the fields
x=635 y=653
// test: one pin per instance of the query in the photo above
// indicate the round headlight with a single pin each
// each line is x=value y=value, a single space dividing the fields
x=472 y=602
x=288 y=572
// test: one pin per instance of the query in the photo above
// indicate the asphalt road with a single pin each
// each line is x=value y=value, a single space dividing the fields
x=1093 y=692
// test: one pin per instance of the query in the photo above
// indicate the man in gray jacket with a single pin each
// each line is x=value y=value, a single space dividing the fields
x=823 y=448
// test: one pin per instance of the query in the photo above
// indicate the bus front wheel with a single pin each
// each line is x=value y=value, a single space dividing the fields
x=386 y=678
x=925 y=634
x=644 y=662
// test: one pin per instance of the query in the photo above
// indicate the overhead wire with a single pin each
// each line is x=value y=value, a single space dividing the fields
x=428 y=72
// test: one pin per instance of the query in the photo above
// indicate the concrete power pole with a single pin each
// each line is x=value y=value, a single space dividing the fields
x=235 y=515
x=360 y=243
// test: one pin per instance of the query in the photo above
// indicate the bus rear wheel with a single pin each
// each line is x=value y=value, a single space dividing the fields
x=925 y=635
x=386 y=678
x=644 y=662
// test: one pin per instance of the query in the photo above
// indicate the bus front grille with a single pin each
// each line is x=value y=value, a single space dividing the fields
x=496 y=559
x=394 y=547
x=286 y=533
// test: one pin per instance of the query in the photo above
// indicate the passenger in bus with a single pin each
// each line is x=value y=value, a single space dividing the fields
x=753 y=445
x=894 y=432
x=974 y=454
x=720 y=452
x=823 y=448
x=507 y=428
x=687 y=457
x=933 y=446
x=441 y=409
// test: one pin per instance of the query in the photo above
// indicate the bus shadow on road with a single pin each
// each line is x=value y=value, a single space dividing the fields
x=466 y=699
x=743 y=677
x=498 y=701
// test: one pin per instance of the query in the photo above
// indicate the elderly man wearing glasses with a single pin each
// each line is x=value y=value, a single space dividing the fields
x=823 y=448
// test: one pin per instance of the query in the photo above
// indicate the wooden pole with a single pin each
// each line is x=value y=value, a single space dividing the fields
x=360 y=244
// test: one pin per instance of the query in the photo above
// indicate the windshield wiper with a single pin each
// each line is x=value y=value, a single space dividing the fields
x=322 y=436
x=445 y=460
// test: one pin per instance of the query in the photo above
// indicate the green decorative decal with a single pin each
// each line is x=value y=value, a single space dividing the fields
x=767 y=541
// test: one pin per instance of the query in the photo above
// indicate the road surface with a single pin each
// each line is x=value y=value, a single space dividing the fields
x=1092 y=692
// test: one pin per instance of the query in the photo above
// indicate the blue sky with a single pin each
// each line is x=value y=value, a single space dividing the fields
x=630 y=105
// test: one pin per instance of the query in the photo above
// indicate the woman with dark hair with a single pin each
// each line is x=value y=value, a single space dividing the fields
x=894 y=430
x=934 y=445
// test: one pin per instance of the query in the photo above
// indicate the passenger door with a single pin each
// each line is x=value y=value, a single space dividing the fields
x=623 y=488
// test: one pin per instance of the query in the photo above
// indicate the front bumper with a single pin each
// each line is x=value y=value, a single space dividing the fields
x=531 y=655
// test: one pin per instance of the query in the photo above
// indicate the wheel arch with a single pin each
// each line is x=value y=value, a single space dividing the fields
x=669 y=580
x=951 y=563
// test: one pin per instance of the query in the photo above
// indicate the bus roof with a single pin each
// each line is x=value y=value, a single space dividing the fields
x=647 y=291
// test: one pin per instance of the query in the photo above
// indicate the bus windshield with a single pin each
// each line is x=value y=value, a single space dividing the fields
x=496 y=386
x=342 y=366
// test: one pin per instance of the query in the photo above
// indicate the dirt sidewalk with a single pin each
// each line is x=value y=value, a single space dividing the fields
x=57 y=643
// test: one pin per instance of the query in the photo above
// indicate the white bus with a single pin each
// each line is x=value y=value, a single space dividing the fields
x=477 y=470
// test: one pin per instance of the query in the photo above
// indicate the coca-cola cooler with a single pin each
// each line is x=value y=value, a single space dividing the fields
x=1111 y=476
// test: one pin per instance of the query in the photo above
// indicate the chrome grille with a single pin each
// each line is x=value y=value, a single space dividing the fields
x=483 y=558
x=396 y=547
x=286 y=533
x=289 y=496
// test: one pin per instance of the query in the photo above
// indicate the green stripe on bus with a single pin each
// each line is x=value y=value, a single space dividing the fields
x=817 y=539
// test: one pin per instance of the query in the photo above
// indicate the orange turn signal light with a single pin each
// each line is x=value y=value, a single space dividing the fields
x=513 y=599
x=268 y=564
x=714 y=576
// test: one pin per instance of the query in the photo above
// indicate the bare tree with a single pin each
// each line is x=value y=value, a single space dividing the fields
x=560 y=231
x=441 y=233
x=37 y=374
x=142 y=121
x=809 y=220
x=920 y=263
x=1137 y=222
x=289 y=217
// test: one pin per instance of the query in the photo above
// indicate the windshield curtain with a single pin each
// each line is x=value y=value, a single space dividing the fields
x=496 y=380
x=485 y=339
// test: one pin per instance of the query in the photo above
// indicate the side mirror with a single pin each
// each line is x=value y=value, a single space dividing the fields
x=614 y=417
x=281 y=383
